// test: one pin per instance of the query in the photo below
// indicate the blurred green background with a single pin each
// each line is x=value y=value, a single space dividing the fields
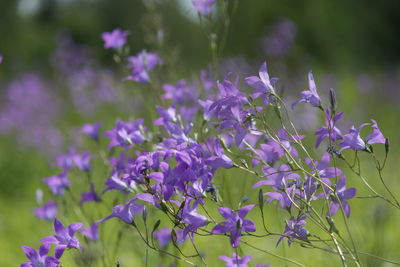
x=351 y=45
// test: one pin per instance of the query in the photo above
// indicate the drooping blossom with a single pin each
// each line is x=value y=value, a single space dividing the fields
x=92 y=232
x=322 y=168
x=353 y=140
x=141 y=65
x=64 y=237
x=236 y=260
x=376 y=136
x=190 y=216
x=263 y=84
x=39 y=259
x=90 y=196
x=57 y=183
x=47 y=211
x=163 y=236
x=294 y=230
x=115 y=39
x=329 y=131
x=235 y=224
x=204 y=7
x=311 y=96
x=92 y=130
x=343 y=194
x=125 y=212
x=126 y=134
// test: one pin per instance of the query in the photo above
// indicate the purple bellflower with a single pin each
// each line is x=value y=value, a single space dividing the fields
x=376 y=136
x=353 y=140
x=125 y=212
x=294 y=230
x=236 y=260
x=322 y=168
x=64 y=237
x=343 y=194
x=329 y=130
x=92 y=233
x=57 y=183
x=163 y=236
x=204 y=7
x=263 y=84
x=311 y=96
x=115 y=39
x=235 y=224
x=141 y=65
x=126 y=134
x=92 y=130
x=39 y=259
x=90 y=196
x=47 y=212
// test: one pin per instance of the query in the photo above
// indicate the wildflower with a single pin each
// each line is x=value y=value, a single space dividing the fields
x=294 y=230
x=92 y=130
x=64 y=237
x=1 y=59
x=92 y=232
x=47 y=211
x=125 y=212
x=311 y=96
x=90 y=196
x=322 y=168
x=235 y=224
x=204 y=7
x=353 y=140
x=163 y=236
x=376 y=136
x=82 y=161
x=236 y=260
x=57 y=183
x=115 y=39
x=343 y=194
x=126 y=134
x=141 y=65
x=191 y=217
x=263 y=84
x=39 y=259
x=329 y=130
x=180 y=93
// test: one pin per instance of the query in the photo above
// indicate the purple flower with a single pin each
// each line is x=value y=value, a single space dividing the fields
x=311 y=96
x=141 y=65
x=47 y=211
x=115 y=39
x=376 y=136
x=191 y=217
x=64 y=237
x=235 y=224
x=92 y=130
x=353 y=140
x=180 y=93
x=57 y=183
x=236 y=260
x=92 y=232
x=322 y=168
x=1 y=59
x=163 y=236
x=278 y=179
x=90 y=196
x=294 y=230
x=126 y=134
x=263 y=84
x=204 y=7
x=82 y=161
x=206 y=80
x=125 y=212
x=343 y=195
x=39 y=259
x=329 y=130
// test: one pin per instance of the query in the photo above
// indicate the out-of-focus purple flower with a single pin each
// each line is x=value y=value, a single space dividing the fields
x=57 y=183
x=47 y=211
x=311 y=96
x=191 y=217
x=343 y=195
x=269 y=153
x=322 y=168
x=92 y=130
x=141 y=65
x=39 y=259
x=294 y=230
x=235 y=224
x=125 y=212
x=92 y=232
x=115 y=39
x=180 y=93
x=263 y=84
x=64 y=237
x=1 y=59
x=236 y=260
x=163 y=236
x=280 y=41
x=353 y=140
x=90 y=196
x=329 y=130
x=278 y=179
x=124 y=184
x=82 y=161
x=204 y=7
x=376 y=136
x=206 y=80
x=126 y=134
